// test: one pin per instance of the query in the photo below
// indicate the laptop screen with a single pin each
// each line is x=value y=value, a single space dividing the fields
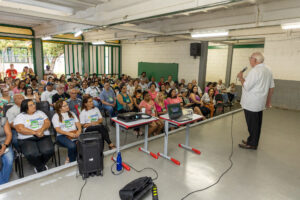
x=174 y=111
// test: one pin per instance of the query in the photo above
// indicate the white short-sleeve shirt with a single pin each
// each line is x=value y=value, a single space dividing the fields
x=256 y=88
x=33 y=122
x=67 y=124
x=90 y=116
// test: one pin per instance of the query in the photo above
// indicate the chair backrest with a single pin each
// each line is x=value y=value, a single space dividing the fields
x=45 y=107
x=219 y=98
x=5 y=108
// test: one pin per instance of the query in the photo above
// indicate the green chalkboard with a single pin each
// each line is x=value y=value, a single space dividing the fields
x=159 y=70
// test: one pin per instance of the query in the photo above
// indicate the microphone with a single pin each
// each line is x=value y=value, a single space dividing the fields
x=243 y=70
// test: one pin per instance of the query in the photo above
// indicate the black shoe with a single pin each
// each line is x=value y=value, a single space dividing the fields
x=246 y=146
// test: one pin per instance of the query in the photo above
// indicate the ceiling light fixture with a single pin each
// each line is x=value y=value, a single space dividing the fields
x=98 y=42
x=47 y=38
x=78 y=33
x=288 y=26
x=209 y=34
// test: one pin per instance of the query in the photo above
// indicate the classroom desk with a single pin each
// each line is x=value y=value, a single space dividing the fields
x=187 y=132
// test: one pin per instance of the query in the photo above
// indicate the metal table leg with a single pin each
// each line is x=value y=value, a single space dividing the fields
x=187 y=137
x=165 y=154
x=145 y=149
x=118 y=147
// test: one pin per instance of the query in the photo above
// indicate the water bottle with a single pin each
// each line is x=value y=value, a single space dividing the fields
x=119 y=162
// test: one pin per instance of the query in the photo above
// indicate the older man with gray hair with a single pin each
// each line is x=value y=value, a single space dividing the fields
x=257 y=91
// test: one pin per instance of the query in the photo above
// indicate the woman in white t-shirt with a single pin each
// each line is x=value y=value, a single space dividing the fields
x=91 y=120
x=68 y=128
x=33 y=135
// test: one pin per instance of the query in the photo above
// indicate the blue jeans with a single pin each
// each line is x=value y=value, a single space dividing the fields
x=225 y=97
x=15 y=139
x=7 y=163
x=110 y=109
x=70 y=145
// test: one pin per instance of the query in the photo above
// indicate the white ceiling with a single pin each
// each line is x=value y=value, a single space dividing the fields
x=140 y=19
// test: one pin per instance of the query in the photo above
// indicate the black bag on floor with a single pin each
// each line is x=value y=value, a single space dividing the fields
x=136 y=189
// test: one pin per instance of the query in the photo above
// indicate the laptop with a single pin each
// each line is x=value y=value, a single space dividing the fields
x=175 y=113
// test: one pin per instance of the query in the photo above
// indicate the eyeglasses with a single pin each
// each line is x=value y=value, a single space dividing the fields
x=31 y=105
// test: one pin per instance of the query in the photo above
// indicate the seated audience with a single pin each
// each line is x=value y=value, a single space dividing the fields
x=144 y=77
x=222 y=90
x=20 y=88
x=74 y=102
x=33 y=135
x=209 y=101
x=161 y=104
x=5 y=99
x=68 y=128
x=130 y=88
x=208 y=86
x=194 y=82
x=108 y=99
x=188 y=104
x=11 y=114
x=155 y=127
x=170 y=81
x=48 y=94
x=182 y=81
x=84 y=87
x=168 y=87
x=91 y=120
x=34 y=84
x=137 y=98
x=61 y=94
x=162 y=81
x=152 y=91
x=163 y=91
x=231 y=92
x=144 y=85
x=153 y=81
x=30 y=94
x=6 y=152
x=124 y=101
x=173 y=98
x=195 y=98
x=94 y=92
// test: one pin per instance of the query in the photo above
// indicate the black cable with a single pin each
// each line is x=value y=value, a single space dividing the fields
x=138 y=171
x=82 y=188
x=227 y=170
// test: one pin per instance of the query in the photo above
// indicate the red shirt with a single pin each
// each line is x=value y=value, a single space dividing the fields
x=11 y=73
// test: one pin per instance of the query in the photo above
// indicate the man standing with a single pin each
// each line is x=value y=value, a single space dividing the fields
x=12 y=72
x=257 y=91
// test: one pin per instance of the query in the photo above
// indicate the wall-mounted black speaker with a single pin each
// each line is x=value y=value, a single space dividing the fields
x=195 y=49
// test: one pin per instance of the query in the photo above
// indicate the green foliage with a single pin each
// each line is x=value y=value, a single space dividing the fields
x=51 y=52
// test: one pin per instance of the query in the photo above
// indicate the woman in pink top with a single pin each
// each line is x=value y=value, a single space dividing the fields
x=152 y=91
x=173 y=98
x=161 y=104
x=20 y=88
x=156 y=126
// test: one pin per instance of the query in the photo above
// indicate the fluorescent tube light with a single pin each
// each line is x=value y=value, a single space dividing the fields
x=47 y=38
x=290 y=26
x=78 y=33
x=98 y=42
x=209 y=34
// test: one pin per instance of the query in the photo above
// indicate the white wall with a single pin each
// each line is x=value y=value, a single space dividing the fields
x=241 y=59
x=216 y=64
x=167 y=52
x=282 y=55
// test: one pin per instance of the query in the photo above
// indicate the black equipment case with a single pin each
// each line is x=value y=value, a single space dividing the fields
x=90 y=154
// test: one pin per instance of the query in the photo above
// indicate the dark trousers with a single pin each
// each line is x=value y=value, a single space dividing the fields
x=102 y=130
x=37 y=151
x=254 y=122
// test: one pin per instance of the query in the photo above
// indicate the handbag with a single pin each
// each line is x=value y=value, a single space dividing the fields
x=137 y=188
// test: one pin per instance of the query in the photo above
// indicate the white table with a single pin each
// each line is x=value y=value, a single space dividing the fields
x=187 y=132
x=133 y=124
